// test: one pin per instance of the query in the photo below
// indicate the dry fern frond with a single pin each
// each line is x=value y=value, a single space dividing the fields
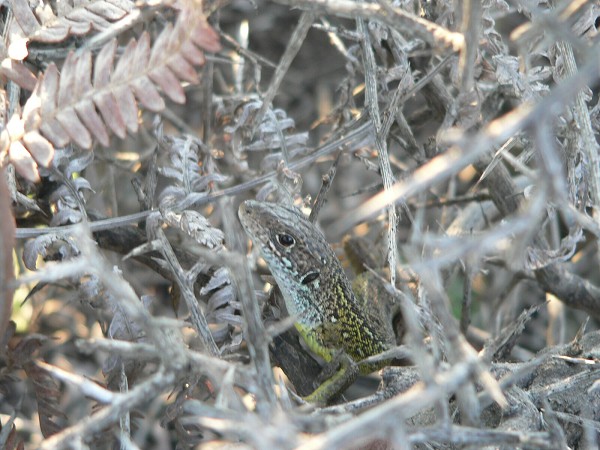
x=47 y=393
x=77 y=21
x=122 y=327
x=191 y=170
x=47 y=390
x=67 y=201
x=222 y=307
x=84 y=103
x=276 y=131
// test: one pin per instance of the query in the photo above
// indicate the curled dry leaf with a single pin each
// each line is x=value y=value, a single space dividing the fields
x=50 y=247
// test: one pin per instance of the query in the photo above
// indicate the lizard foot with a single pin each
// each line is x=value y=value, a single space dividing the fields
x=337 y=376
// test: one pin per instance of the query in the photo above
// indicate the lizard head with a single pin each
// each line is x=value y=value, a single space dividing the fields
x=286 y=239
x=296 y=252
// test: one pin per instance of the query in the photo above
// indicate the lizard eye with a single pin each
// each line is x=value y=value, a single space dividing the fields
x=310 y=277
x=285 y=239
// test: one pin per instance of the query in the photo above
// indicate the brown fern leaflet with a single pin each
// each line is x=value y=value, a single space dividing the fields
x=78 y=21
x=88 y=101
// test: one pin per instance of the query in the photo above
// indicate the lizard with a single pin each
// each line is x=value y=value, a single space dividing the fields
x=333 y=319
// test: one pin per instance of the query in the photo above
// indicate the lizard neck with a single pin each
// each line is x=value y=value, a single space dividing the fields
x=315 y=303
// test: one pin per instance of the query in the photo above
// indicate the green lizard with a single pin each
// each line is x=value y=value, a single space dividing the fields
x=333 y=319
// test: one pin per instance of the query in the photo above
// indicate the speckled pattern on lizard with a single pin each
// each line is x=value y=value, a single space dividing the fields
x=315 y=288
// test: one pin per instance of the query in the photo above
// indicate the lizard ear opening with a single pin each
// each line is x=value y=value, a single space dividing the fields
x=310 y=277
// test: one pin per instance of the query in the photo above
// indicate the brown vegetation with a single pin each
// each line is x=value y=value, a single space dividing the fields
x=463 y=137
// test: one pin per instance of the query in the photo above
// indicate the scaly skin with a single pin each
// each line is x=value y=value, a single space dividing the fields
x=316 y=291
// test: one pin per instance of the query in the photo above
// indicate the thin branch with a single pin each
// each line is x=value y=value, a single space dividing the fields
x=372 y=100
x=394 y=17
x=470 y=149
x=304 y=23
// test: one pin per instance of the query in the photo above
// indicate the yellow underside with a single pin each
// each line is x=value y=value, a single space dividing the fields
x=309 y=337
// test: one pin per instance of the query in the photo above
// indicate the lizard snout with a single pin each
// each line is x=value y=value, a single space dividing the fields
x=245 y=209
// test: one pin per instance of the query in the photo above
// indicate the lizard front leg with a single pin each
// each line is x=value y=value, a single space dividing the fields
x=337 y=376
